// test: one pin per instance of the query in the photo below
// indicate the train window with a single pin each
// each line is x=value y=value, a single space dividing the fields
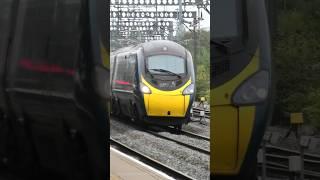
x=112 y=63
x=6 y=6
x=119 y=70
x=159 y=64
x=225 y=19
x=131 y=69
x=231 y=50
x=46 y=47
x=5 y=11
x=124 y=73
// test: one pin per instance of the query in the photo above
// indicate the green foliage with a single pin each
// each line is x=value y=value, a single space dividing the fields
x=202 y=64
x=312 y=109
x=296 y=49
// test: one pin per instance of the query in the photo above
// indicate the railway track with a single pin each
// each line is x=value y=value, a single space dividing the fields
x=277 y=160
x=309 y=164
x=170 y=129
x=199 y=149
x=289 y=152
x=275 y=169
x=150 y=161
x=182 y=132
x=197 y=156
x=190 y=134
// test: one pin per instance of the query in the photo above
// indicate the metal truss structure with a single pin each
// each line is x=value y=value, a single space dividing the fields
x=160 y=2
x=135 y=21
x=141 y=23
x=152 y=14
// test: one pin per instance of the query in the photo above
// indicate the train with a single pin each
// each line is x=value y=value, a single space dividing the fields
x=54 y=89
x=153 y=83
x=241 y=87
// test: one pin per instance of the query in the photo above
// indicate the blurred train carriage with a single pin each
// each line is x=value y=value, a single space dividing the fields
x=241 y=86
x=153 y=82
x=53 y=88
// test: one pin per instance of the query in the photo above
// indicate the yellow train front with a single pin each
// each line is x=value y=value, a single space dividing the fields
x=153 y=82
x=241 y=86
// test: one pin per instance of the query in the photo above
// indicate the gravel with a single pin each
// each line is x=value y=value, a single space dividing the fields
x=186 y=139
x=187 y=161
x=197 y=128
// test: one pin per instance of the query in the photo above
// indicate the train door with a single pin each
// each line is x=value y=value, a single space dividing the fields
x=58 y=107
x=6 y=8
x=117 y=82
x=132 y=79
x=114 y=107
x=6 y=21
x=123 y=82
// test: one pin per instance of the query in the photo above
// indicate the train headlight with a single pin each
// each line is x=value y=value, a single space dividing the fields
x=145 y=89
x=253 y=90
x=188 y=90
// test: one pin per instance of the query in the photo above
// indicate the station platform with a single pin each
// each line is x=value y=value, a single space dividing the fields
x=124 y=167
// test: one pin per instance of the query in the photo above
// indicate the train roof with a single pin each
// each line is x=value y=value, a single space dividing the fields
x=129 y=48
x=155 y=46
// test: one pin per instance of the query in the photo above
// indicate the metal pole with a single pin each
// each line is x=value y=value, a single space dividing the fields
x=195 y=41
x=179 y=25
x=198 y=21
x=302 y=164
x=302 y=156
x=264 y=165
x=180 y=12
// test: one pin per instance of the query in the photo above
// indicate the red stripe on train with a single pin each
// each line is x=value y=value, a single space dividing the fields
x=43 y=67
x=122 y=82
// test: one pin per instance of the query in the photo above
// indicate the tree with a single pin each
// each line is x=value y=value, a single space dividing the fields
x=202 y=62
x=296 y=56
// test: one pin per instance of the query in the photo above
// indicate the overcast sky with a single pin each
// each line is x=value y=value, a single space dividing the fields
x=206 y=21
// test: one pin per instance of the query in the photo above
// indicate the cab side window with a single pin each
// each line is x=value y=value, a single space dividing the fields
x=119 y=81
x=131 y=71
x=124 y=75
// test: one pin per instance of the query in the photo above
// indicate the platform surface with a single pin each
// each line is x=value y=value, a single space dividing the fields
x=124 y=167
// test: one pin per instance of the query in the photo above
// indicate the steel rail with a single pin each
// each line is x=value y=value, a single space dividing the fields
x=188 y=133
x=204 y=151
x=150 y=161
x=271 y=148
x=275 y=169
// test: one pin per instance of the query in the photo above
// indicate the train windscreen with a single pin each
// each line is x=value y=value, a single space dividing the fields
x=166 y=64
x=225 y=19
